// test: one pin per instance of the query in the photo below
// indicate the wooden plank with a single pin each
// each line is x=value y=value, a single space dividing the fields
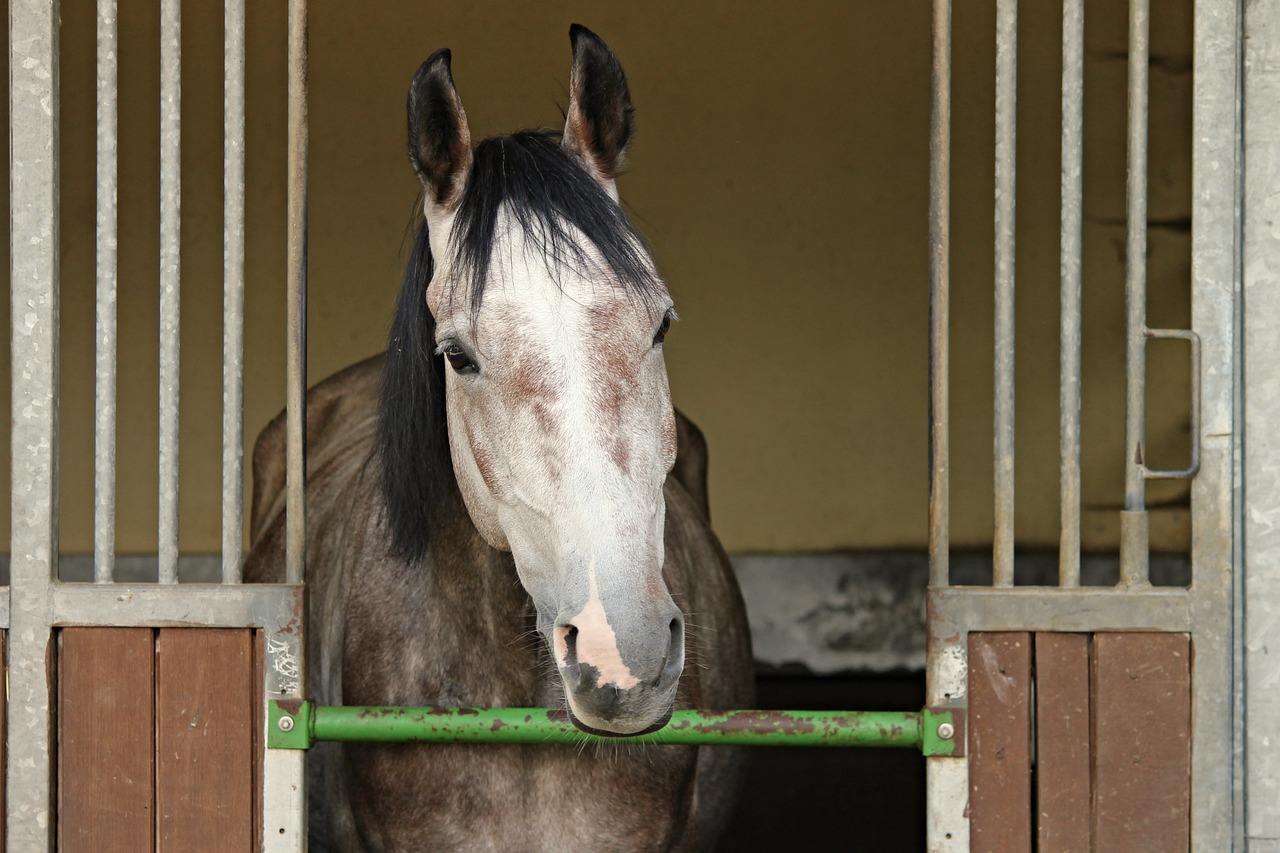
x=204 y=739
x=1142 y=742
x=259 y=733
x=1063 y=794
x=1000 y=742
x=106 y=746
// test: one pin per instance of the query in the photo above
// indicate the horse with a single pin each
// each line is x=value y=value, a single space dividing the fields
x=505 y=509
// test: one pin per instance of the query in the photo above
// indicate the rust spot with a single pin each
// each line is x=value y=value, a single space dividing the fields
x=468 y=712
x=290 y=706
x=759 y=721
x=497 y=725
x=1137 y=454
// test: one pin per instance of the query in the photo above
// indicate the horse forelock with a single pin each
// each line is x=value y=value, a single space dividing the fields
x=564 y=216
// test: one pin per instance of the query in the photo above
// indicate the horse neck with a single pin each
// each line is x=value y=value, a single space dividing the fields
x=467 y=575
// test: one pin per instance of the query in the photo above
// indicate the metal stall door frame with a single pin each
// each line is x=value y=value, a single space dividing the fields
x=1205 y=610
x=1260 y=631
x=37 y=603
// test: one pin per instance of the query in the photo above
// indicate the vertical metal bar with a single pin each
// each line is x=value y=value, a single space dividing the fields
x=939 y=295
x=284 y=798
x=1133 y=520
x=33 y=289
x=1220 y=195
x=1006 y=120
x=1069 y=320
x=947 y=779
x=170 y=297
x=233 y=293
x=296 y=536
x=1260 y=666
x=104 y=452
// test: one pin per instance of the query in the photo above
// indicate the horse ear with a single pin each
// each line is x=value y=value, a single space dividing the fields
x=439 y=139
x=598 y=126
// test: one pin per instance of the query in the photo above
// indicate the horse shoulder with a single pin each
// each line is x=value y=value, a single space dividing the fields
x=341 y=417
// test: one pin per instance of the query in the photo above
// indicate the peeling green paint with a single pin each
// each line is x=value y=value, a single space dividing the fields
x=918 y=729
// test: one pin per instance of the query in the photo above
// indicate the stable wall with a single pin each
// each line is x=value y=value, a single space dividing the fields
x=780 y=171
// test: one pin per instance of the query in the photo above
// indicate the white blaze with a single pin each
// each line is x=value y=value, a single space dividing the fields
x=597 y=644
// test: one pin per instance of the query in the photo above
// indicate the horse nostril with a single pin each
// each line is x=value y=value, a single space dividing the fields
x=569 y=636
x=674 y=662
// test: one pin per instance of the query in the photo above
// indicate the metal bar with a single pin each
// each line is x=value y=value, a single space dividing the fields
x=1135 y=552
x=296 y=535
x=273 y=606
x=284 y=801
x=1069 y=319
x=299 y=724
x=170 y=296
x=946 y=684
x=1058 y=609
x=1194 y=465
x=947 y=779
x=1134 y=537
x=939 y=296
x=104 y=404
x=1261 y=578
x=33 y=290
x=1222 y=496
x=1006 y=145
x=233 y=293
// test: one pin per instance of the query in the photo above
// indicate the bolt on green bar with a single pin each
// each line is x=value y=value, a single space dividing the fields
x=301 y=724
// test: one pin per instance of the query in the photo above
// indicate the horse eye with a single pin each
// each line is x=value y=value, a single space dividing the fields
x=458 y=358
x=661 y=334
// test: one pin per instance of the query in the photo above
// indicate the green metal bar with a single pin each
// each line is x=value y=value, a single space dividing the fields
x=297 y=725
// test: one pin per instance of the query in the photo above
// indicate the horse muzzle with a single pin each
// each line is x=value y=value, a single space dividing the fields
x=617 y=695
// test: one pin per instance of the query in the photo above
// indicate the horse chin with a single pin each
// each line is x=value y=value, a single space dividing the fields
x=591 y=730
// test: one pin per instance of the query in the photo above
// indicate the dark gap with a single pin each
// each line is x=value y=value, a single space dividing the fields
x=805 y=798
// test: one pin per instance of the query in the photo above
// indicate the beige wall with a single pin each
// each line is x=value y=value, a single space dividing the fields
x=780 y=171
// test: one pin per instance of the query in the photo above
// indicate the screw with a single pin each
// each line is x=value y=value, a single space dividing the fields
x=946 y=731
x=285 y=724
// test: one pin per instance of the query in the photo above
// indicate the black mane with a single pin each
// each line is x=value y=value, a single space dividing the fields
x=553 y=200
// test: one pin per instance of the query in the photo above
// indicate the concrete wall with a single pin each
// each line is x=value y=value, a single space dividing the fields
x=780 y=171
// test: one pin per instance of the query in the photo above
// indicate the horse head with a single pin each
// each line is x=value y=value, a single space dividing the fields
x=548 y=318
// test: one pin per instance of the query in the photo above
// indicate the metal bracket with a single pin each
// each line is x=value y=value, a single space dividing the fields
x=289 y=724
x=942 y=731
x=1193 y=467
